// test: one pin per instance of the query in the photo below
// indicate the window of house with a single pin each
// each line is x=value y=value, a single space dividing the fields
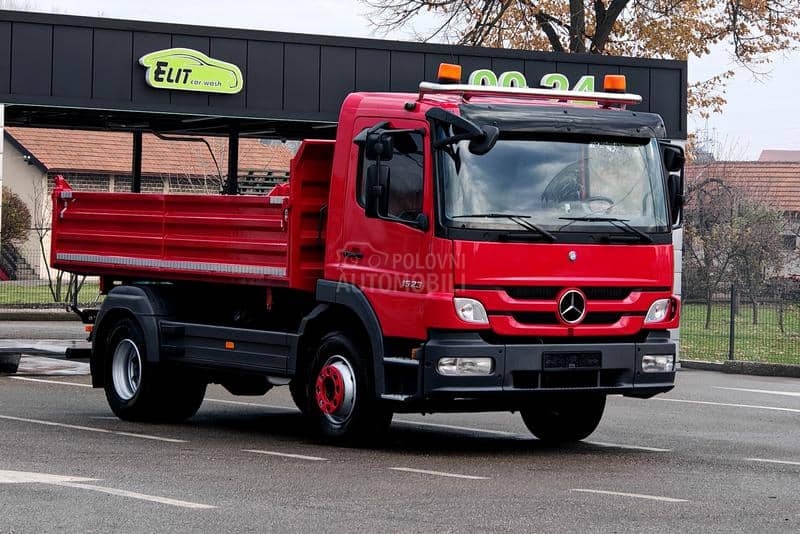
x=789 y=242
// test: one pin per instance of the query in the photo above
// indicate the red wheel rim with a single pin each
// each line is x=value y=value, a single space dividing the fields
x=329 y=390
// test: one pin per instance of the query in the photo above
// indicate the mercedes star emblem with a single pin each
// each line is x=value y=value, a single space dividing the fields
x=572 y=306
x=572 y=255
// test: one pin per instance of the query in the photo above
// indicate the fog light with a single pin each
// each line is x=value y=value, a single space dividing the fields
x=657 y=312
x=658 y=363
x=470 y=310
x=465 y=366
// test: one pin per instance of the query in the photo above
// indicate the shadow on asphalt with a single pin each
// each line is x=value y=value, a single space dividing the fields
x=402 y=438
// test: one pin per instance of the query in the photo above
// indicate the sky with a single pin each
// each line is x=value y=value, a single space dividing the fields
x=760 y=113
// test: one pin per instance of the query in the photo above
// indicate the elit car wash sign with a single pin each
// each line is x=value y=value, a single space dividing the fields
x=184 y=69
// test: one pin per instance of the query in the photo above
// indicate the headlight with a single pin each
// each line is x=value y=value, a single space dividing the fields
x=471 y=311
x=657 y=312
x=658 y=363
x=465 y=366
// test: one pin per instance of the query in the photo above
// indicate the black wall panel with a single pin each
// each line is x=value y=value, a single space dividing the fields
x=85 y=63
x=144 y=43
x=72 y=61
x=664 y=85
x=372 y=69
x=264 y=75
x=31 y=59
x=638 y=81
x=470 y=64
x=233 y=51
x=5 y=57
x=407 y=69
x=534 y=70
x=337 y=76
x=301 y=78
x=113 y=55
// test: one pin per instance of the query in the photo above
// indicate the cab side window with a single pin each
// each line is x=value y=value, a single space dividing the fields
x=406 y=171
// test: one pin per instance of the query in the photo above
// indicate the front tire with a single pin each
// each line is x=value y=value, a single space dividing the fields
x=138 y=390
x=341 y=395
x=565 y=418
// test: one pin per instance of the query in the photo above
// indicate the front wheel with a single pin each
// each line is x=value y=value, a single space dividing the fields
x=341 y=393
x=138 y=390
x=565 y=418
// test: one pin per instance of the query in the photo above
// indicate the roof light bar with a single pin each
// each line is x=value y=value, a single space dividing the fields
x=468 y=91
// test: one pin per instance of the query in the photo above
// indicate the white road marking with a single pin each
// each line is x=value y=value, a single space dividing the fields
x=139 y=496
x=753 y=406
x=287 y=455
x=21 y=477
x=767 y=391
x=240 y=403
x=437 y=473
x=59 y=382
x=91 y=429
x=632 y=447
x=764 y=460
x=634 y=495
x=454 y=427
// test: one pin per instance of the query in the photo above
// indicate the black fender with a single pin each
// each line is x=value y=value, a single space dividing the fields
x=146 y=304
x=353 y=298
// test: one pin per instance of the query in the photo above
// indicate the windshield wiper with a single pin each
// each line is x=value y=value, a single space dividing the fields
x=622 y=224
x=519 y=219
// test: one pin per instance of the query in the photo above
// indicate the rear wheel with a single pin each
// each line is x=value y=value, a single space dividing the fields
x=565 y=418
x=341 y=394
x=138 y=390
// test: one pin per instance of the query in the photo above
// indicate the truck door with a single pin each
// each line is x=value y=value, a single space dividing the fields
x=391 y=259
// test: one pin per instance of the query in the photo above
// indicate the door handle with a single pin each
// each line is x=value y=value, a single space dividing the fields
x=353 y=254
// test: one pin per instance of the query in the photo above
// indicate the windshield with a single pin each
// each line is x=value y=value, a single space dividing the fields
x=569 y=184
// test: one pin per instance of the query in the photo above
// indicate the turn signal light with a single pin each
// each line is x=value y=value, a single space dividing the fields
x=614 y=83
x=449 y=73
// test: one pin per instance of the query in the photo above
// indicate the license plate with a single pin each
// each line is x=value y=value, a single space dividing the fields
x=572 y=360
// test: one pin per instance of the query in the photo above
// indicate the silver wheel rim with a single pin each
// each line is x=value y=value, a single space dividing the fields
x=126 y=369
x=345 y=411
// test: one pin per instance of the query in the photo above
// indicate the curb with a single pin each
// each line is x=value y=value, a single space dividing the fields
x=37 y=315
x=745 y=368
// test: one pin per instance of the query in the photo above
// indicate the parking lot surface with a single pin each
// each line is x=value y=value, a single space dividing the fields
x=720 y=453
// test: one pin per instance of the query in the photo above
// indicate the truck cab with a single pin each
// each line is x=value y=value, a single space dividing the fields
x=466 y=248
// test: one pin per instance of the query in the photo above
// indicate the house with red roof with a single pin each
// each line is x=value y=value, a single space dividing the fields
x=102 y=161
x=773 y=180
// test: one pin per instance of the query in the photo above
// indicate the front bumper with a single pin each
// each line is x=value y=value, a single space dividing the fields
x=530 y=369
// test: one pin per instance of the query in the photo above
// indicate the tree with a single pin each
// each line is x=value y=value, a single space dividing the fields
x=16 y=218
x=757 y=254
x=752 y=30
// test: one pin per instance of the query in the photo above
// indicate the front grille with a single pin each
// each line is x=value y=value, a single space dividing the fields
x=550 y=318
x=603 y=378
x=592 y=293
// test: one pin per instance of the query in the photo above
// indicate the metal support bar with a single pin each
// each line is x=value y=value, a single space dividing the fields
x=136 y=171
x=232 y=184
x=732 y=325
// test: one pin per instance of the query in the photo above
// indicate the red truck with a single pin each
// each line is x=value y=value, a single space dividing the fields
x=466 y=248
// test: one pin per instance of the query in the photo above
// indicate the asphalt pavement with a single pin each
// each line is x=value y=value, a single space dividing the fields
x=720 y=453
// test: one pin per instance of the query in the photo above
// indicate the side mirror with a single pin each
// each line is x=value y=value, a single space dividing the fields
x=377 y=191
x=674 y=159
x=378 y=146
x=675 y=188
x=483 y=144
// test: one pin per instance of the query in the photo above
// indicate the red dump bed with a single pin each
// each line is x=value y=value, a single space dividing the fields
x=263 y=240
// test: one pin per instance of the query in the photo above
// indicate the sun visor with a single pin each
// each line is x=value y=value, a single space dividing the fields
x=566 y=120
